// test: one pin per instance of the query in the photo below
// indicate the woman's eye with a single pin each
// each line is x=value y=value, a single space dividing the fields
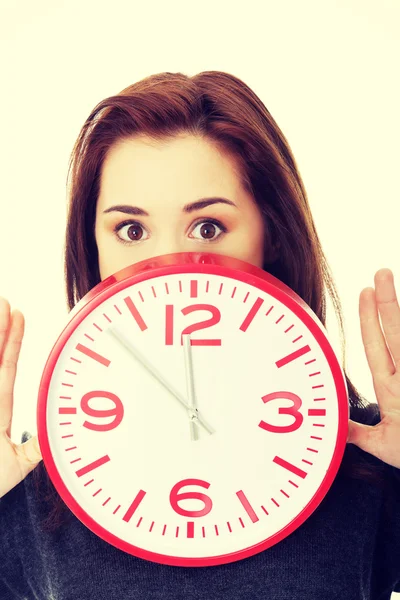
x=208 y=230
x=130 y=232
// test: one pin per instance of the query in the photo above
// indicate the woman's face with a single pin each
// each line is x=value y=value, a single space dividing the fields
x=180 y=195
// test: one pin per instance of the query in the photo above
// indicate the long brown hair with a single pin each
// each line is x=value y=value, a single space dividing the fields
x=221 y=108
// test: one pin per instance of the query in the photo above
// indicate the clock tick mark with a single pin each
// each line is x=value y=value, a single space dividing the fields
x=246 y=296
x=164 y=530
x=313 y=374
x=310 y=361
x=280 y=319
x=289 y=467
x=135 y=313
x=318 y=399
x=76 y=360
x=207 y=286
x=117 y=309
x=190 y=529
x=66 y=423
x=177 y=532
x=166 y=288
x=268 y=311
x=247 y=506
x=151 y=527
x=98 y=492
x=216 y=529
x=316 y=412
x=314 y=387
x=89 y=337
x=97 y=327
x=140 y=296
x=220 y=289
x=88 y=482
x=70 y=372
x=180 y=286
x=203 y=532
x=65 y=397
x=289 y=328
x=93 y=465
x=297 y=339
x=292 y=483
x=292 y=356
x=108 y=318
x=63 y=437
x=229 y=526
x=134 y=505
x=312 y=450
x=233 y=293
x=138 y=523
x=193 y=288
x=266 y=512
x=67 y=411
x=284 y=493
x=107 y=501
x=92 y=354
x=306 y=461
x=72 y=448
x=275 y=502
x=74 y=461
x=241 y=522
x=67 y=384
x=318 y=425
x=315 y=437
x=117 y=509
x=154 y=291
x=251 y=314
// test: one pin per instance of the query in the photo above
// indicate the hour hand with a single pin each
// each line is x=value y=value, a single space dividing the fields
x=130 y=347
x=191 y=395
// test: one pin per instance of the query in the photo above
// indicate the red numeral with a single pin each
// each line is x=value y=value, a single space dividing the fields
x=289 y=410
x=117 y=411
x=176 y=496
x=213 y=320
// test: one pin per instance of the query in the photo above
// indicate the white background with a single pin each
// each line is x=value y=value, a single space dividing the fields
x=327 y=71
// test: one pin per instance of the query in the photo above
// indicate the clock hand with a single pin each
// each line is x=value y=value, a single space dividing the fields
x=193 y=412
x=124 y=341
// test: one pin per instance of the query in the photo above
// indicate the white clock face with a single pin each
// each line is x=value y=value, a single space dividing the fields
x=271 y=400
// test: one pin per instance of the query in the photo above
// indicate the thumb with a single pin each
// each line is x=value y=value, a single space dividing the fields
x=29 y=454
x=366 y=437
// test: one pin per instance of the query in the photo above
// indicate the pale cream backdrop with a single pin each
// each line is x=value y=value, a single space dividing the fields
x=327 y=71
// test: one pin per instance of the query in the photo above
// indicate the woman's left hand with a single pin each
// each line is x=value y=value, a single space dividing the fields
x=383 y=356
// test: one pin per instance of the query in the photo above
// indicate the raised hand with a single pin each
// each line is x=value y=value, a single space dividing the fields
x=382 y=348
x=16 y=460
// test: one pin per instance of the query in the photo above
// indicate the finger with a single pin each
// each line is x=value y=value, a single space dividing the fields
x=29 y=454
x=4 y=322
x=8 y=369
x=376 y=350
x=366 y=437
x=389 y=311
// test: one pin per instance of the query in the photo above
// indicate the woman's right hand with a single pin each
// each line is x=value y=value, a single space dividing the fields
x=16 y=460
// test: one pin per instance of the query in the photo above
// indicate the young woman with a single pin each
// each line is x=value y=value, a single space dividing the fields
x=176 y=164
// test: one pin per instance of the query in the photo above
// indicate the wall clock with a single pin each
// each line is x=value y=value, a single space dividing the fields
x=192 y=412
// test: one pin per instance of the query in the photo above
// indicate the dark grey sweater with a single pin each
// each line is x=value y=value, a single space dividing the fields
x=348 y=549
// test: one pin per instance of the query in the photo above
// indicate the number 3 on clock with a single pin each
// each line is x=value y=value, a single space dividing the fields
x=213 y=320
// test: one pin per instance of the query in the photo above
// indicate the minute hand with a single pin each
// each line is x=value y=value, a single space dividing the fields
x=124 y=341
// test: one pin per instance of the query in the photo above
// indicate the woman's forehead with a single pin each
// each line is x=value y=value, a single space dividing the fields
x=182 y=169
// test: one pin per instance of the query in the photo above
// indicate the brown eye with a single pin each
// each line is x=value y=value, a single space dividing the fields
x=208 y=230
x=135 y=232
x=130 y=232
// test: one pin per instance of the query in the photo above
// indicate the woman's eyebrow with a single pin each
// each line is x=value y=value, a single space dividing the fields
x=188 y=208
